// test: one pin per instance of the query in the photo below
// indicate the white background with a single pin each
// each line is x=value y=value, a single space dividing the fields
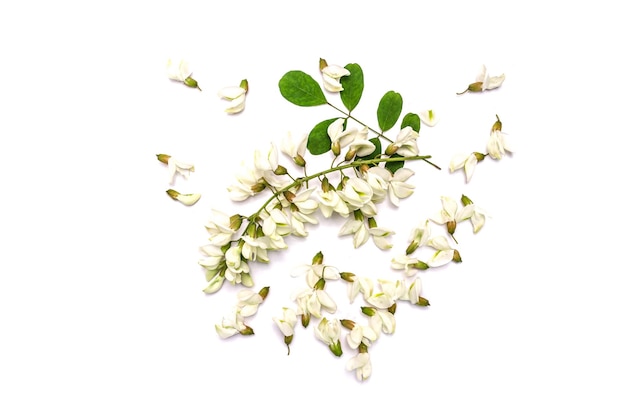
x=101 y=308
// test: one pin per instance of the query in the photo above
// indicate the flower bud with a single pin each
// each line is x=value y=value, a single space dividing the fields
x=368 y=311
x=336 y=348
x=474 y=88
x=392 y=308
x=190 y=82
x=422 y=301
x=323 y=64
x=479 y=156
x=247 y=331
x=348 y=277
x=347 y=323
x=244 y=84
x=362 y=348
x=318 y=258
x=299 y=160
x=319 y=285
x=336 y=148
x=264 y=292
x=164 y=158
x=235 y=222
x=288 y=341
x=456 y=257
x=305 y=319
x=497 y=126
x=466 y=200
x=289 y=196
x=259 y=187
x=391 y=149
x=280 y=171
x=451 y=225
x=350 y=154
x=420 y=265
x=414 y=245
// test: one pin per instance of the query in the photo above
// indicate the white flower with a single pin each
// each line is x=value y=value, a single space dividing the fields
x=331 y=75
x=497 y=145
x=444 y=253
x=315 y=272
x=287 y=322
x=413 y=291
x=360 y=334
x=175 y=166
x=478 y=218
x=405 y=144
x=390 y=292
x=419 y=236
x=179 y=70
x=219 y=228
x=231 y=325
x=451 y=214
x=330 y=202
x=428 y=117
x=266 y=160
x=467 y=162
x=378 y=178
x=340 y=138
x=313 y=301
x=361 y=285
x=356 y=193
x=406 y=263
x=361 y=147
x=247 y=183
x=329 y=332
x=382 y=321
x=255 y=249
x=237 y=269
x=362 y=365
x=358 y=229
x=186 y=199
x=248 y=302
x=294 y=149
x=488 y=82
x=398 y=187
x=236 y=96
x=380 y=236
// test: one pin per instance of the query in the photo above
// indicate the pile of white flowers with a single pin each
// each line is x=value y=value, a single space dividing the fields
x=362 y=175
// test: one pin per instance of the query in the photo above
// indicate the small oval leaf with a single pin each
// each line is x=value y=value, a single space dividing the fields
x=412 y=120
x=389 y=110
x=319 y=141
x=352 y=86
x=301 y=89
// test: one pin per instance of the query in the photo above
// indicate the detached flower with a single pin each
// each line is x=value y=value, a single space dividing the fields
x=466 y=162
x=484 y=82
x=497 y=145
x=185 y=199
x=451 y=214
x=286 y=325
x=329 y=333
x=406 y=143
x=361 y=365
x=232 y=324
x=331 y=76
x=236 y=96
x=175 y=166
x=249 y=301
x=178 y=70
x=428 y=117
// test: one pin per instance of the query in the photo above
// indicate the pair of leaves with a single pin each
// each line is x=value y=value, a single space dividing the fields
x=301 y=89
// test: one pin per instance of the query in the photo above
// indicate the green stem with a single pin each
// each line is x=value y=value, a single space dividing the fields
x=358 y=121
x=358 y=163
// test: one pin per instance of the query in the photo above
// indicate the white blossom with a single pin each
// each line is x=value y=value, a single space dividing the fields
x=428 y=117
x=468 y=163
x=331 y=77
x=362 y=366
x=235 y=96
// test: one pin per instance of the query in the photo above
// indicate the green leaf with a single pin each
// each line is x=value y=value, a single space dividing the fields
x=389 y=110
x=412 y=120
x=352 y=86
x=319 y=141
x=394 y=165
x=377 y=152
x=300 y=89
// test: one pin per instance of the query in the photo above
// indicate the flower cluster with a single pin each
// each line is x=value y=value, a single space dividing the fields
x=367 y=167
